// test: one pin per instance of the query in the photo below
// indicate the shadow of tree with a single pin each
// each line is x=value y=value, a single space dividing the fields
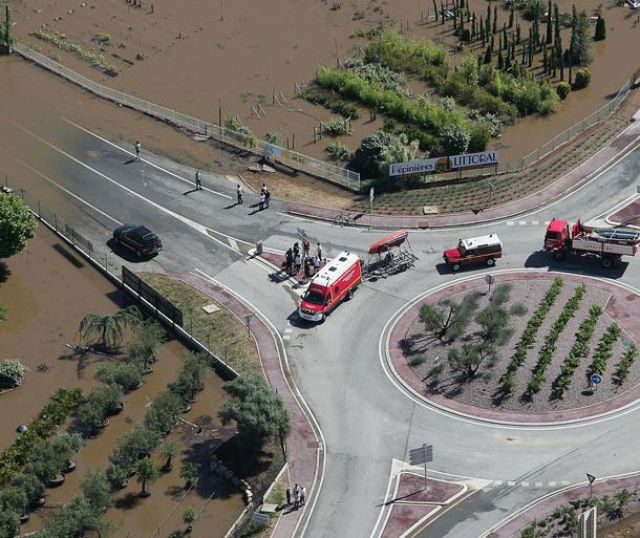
x=128 y=501
x=5 y=272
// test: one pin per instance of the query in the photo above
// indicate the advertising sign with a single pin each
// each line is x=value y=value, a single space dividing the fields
x=444 y=164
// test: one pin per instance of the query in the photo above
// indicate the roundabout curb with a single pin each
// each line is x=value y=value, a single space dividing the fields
x=403 y=376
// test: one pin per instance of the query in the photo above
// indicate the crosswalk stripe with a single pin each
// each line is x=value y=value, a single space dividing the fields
x=511 y=483
x=510 y=223
x=497 y=482
x=546 y=222
x=552 y=484
x=535 y=222
x=524 y=484
x=522 y=222
x=538 y=484
x=234 y=245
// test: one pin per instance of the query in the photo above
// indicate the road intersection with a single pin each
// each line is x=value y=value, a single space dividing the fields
x=367 y=421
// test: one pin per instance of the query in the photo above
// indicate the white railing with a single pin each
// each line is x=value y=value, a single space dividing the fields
x=293 y=159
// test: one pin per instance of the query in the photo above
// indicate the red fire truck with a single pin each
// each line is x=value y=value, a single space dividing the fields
x=609 y=244
x=484 y=249
x=334 y=283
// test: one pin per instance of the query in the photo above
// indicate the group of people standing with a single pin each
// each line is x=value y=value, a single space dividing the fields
x=294 y=258
x=265 y=196
x=299 y=496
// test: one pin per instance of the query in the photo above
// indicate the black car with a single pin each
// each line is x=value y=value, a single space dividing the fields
x=137 y=238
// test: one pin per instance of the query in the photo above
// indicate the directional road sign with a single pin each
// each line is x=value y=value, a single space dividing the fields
x=420 y=455
x=596 y=379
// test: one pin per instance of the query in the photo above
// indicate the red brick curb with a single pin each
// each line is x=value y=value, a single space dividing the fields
x=563 y=185
x=629 y=215
x=619 y=307
x=302 y=445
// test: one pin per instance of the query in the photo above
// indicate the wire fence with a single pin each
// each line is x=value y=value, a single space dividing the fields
x=247 y=142
x=575 y=130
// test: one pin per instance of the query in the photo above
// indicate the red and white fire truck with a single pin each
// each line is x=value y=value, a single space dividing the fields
x=609 y=244
x=334 y=283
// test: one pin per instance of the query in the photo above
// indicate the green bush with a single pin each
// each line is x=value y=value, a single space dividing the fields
x=563 y=89
x=582 y=79
x=11 y=373
x=339 y=152
x=346 y=110
x=335 y=127
x=518 y=309
x=125 y=375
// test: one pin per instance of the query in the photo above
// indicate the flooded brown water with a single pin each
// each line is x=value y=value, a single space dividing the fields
x=233 y=55
x=47 y=289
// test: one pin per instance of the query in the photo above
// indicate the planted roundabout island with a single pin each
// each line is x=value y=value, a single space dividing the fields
x=525 y=348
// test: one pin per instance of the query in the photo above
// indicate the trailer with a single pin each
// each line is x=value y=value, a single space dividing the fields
x=390 y=255
x=608 y=244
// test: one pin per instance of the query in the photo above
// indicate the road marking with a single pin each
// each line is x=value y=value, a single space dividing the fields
x=565 y=483
x=510 y=223
x=511 y=483
x=524 y=484
x=535 y=222
x=234 y=245
x=190 y=182
x=196 y=226
x=66 y=191
x=497 y=482
x=522 y=222
x=552 y=484
x=547 y=222
x=538 y=484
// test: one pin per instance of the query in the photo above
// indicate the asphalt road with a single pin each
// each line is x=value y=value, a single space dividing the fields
x=366 y=420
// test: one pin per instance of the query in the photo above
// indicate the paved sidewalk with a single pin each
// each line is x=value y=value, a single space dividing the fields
x=302 y=445
x=622 y=306
x=565 y=184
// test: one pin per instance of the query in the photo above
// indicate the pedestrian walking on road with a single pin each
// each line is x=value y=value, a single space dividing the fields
x=289 y=261
x=198 y=181
x=316 y=265
x=303 y=494
x=263 y=199
x=297 y=501
x=137 y=148
x=267 y=199
x=288 y=497
x=263 y=190
x=239 y=193
x=298 y=261
x=319 y=251
x=296 y=489
x=305 y=248
x=296 y=249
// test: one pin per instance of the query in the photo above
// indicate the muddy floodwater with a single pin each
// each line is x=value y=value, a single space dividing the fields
x=46 y=290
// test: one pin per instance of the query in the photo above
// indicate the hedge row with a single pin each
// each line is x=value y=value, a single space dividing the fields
x=545 y=356
x=624 y=366
x=508 y=382
x=603 y=352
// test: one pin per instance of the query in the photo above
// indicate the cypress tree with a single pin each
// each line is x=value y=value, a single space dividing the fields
x=511 y=14
x=545 y=60
x=500 y=60
x=523 y=60
x=487 y=55
x=530 y=50
x=435 y=9
x=488 y=21
x=518 y=37
x=455 y=21
x=549 y=34
x=482 y=35
x=473 y=28
x=601 y=30
x=500 y=43
x=495 y=19
x=442 y=12
x=504 y=36
x=513 y=50
x=493 y=43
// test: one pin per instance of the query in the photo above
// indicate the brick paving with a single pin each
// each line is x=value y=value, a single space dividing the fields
x=629 y=215
x=623 y=306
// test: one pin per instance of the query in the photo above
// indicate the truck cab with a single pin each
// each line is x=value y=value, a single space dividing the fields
x=335 y=283
x=484 y=249
x=556 y=236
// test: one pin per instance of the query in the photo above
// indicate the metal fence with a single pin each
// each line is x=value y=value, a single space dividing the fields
x=577 y=129
x=293 y=159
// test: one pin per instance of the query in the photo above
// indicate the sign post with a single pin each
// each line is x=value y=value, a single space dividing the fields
x=591 y=479
x=420 y=455
x=372 y=194
x=489 y=280
x=596 y=380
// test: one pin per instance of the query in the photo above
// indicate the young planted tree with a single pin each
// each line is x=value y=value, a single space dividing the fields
x=549 y=32
x=17 y=225
x=147 y=473
x=91 y=415
x=168 y=450
x=11 y=373
x=163 y=413
x=109 y=328
x=143 y=346
x=494 y=323
x=189 y=517
x=189 y=472
x=96 y=490
x=125 y=375
x=31 y=485
x=468 y=359
x=581 y=42
x=133 y=446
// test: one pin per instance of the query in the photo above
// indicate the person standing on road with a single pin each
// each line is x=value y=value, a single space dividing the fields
x=316 y=265
x=137 y=148
x=263 y=199
x=239 y=192
x=263 y=190
x=305 y=248
x=267 y=198
x=198 y=181
x=298 y=262
x=319 y=251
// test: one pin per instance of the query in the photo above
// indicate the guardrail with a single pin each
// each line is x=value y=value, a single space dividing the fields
x=298 y=161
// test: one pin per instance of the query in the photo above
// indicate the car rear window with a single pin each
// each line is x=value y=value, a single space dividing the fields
x=150 y=238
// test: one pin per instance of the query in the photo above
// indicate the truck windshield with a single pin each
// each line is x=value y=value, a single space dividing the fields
x=553 y=235
x=314 y=297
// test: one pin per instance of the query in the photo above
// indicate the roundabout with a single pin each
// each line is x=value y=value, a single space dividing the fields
x=419 y=363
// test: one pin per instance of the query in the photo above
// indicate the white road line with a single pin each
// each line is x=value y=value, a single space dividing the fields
x=510 y=223
x=511 y=483
x=552 y=484
x=524 y=484
x=196 y=226
x=522 y=222
x=535 y=222
x=547 y=222
x=565 y=482
x=234 y=244
x=190 y=182
x=286 y=337
x=497 y=482
x=66 y=191
x=538 y=484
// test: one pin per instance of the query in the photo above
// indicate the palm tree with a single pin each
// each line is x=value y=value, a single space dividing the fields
x=109 y=328
x=168 y=450
x=147 y=472
x=189 y=517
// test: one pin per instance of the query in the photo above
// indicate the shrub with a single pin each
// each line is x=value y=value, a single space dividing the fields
x=601 y=30
x=603 y=351
x=563 y=89
x=273 y=137
x=346 y=110
x=335 y=127
x=455 y=139
x=339 y=152
x=518 y=309
x=624 y=366
x=90 y=416
x=239 y=131
x=582 y=79
x=11 y=373
x=378 y=74
x=116 y=477
x=163 y=413
x=127 y=376
x=501 y=294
